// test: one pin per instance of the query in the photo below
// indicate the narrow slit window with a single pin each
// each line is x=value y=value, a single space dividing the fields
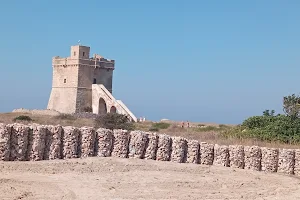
x=83 y=53
x=94 y=81
x=65 y=80
x=74 y=53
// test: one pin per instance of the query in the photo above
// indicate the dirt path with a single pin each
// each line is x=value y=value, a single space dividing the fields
x=112 y=178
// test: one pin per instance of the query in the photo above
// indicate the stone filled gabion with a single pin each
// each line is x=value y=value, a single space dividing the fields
x=54 y=142
x=5 y=135
x=221 y=157
x=236 y=156
x=206 y=153
x=121 y=143
x=19 y=142
x=164 y=147
x=269 y=160
x=297 y=162
x=137 y=144
x=87 y=147
x=193 y=151
x=179 y=149
x=71 y=142
x=252 y=158
x=286 y=161
x=37 y=142
x=104 y=143
x=151 y=147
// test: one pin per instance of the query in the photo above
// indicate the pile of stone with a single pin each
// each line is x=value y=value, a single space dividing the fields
x=252 y=158
x=297 y=162
x=151 y=147
x=193 y=152
x=87 y=144
x=164 y=147
x=71 y=142
x=121 y=143
x=179 y=150
x=286 y=161
x=221 y=157
x=269 y=160
x=206 y=153
x=5 y=135
x=236 y=156
x=54 y=143
x=137 y=145
x=19 y=142
x=37 y=142
x=104 y=142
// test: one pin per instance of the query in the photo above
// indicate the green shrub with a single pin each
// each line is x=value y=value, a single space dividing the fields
x=161 y=125
x=114 y=121
x=22 y=118
x=154 y=129
x=207 y=128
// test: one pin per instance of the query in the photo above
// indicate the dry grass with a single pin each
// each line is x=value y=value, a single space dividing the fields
x=203 y=132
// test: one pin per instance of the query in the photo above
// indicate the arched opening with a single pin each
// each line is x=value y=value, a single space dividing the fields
x=94 y=81
x=102 y=107
x=113 y=109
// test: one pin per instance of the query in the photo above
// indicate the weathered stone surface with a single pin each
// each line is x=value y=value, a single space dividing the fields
x=37 y=142
x=252 y=158
x=137 y=145
x=87 y=145
x=206 y=153
x=19 y=142
x=54 y=143
x=269 y=161
x=179 y=150
x=104 y=143
x=121 y=143
x=71 y=142
x=5 y=141
x=297 y=162
x=164 y=147
x=236 y=156
x=193 y=152
x=286 y=161
x=221 y=157
x=152 y=145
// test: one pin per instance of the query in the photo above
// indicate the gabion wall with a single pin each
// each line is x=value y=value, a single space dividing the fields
x=34 y=142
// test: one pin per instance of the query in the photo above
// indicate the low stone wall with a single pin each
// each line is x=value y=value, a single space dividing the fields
x=34 y=142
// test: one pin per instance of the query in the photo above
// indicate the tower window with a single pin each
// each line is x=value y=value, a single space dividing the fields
x=94 y=81
x=65 y=80
x=83 y=53
x=74 y=53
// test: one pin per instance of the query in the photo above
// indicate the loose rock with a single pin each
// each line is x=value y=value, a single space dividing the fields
x=269 y=161
x=164 y=147
x=221 y=157
x=104 y=142
x=121 y=143
x=206 y=153
x=286 y=161
x=193 y=152
x=179 y=150
x=5 y=141
x=252 y=158
x=236 y=156
x=87 y=147
x=137 y=145
x=71 y=142
x=151 y=146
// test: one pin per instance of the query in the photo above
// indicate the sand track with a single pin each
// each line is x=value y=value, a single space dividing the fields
x=117 y=178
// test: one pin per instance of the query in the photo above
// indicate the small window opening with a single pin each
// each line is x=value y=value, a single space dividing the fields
x=74 y=53
x=95 y=81
x=83 y=53
x=65 y=80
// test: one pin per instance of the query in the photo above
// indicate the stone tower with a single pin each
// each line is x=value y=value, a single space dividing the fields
x=73 y=78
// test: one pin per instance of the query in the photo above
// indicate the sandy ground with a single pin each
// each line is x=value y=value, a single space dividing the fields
x=117 y=178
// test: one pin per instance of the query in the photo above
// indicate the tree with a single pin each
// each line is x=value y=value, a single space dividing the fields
x=114 y=121
x=268 y=113
x=291 y=106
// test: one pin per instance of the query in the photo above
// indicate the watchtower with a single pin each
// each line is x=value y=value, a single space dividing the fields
x=73 y=77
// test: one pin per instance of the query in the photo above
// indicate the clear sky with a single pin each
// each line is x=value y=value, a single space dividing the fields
x=208 y=61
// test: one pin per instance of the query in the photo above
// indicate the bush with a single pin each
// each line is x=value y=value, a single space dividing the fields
x=114 y=121
x=154 y=129
x=161 y=125
x=22 y=118
x=88 y=109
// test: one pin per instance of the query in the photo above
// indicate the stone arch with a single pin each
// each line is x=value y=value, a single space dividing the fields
x=113 y=109
x=102 y=106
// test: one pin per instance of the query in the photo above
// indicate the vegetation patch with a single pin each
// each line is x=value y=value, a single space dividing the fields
x=114 y=121
x=23 y=118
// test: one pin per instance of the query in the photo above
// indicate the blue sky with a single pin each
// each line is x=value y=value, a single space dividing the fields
x=205 y=61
